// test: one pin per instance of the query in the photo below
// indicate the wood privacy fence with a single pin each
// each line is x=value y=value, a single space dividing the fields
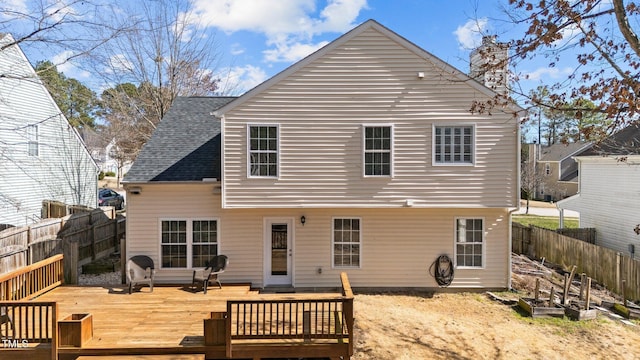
x=82 y=237
x=606 y=266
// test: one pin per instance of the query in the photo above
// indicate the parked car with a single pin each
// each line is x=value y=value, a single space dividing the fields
x=108 y=197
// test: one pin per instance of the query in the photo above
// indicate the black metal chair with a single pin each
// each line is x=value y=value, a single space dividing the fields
x=140 y=270
x=215 y=267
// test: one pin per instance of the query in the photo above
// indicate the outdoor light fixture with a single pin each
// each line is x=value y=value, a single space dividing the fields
x=135 y=190
x=303 y=220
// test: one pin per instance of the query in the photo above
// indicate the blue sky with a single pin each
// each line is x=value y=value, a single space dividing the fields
x=256 y=39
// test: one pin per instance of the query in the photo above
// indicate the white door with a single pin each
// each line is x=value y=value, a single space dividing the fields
x=278 y=253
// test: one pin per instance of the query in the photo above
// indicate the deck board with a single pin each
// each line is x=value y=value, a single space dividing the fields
x=168 y=320
x=162 y=318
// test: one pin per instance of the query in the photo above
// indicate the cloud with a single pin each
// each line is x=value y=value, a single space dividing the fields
x=547 y=73
x=237 y=49
x=291 y=52
x=469 y=35
x=239 y=79
x=18 y=6
x=67 y=67
x=288 y=25
x=118 y=63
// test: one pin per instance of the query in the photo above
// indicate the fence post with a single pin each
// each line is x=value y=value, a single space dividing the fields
x=618 y=264
x=93 y=241
x=70 y=251
x=123 y=260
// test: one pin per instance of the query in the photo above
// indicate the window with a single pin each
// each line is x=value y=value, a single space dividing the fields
x=263 y=151
x=188 y=244
x=377 y=150
x=32 y=140
x=174 y=244
x=205 y=242
x=469 y=242
x=453 y=145
x=346 y=242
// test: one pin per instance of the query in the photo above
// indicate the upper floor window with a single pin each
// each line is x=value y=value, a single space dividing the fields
x=469 y=242
x=377 y=150
x=453 y=145
x=263 y=151
x=32 y=140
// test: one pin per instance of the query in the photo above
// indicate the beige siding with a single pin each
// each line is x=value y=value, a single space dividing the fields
x=321 y=110
x=398 y=245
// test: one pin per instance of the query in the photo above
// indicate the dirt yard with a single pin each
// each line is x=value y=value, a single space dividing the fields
x=473 y=326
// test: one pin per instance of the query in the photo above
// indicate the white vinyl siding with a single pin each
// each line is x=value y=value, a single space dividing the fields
x=378 y=155
x=320 y=111
x=469 y=243
x=347 y=242
x=263 y=151
x=49 y=163
x=609 y=200
x=453 y=145
x=187 y=243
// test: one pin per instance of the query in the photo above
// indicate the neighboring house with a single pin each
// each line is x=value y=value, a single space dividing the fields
x=609 y=195
x=363 y=157
x=100 y=149
x=41 y=155
x=557 y=169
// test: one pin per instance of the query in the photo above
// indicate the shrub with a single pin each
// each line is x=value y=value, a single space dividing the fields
x=110 y=173
x=101 y=175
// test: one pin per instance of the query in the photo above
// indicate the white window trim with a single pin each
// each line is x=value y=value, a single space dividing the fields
x=484 y=242
x=333 y=265
x=391 y=150
x=248 y=152
x=189 y=242
x=35 y=140
x=473 y=144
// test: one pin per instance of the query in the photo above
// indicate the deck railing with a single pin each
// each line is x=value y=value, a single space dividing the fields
x=28 y=324
x=33 y=280
x=300 y=319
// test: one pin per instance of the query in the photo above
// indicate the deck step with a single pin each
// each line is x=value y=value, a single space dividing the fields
x=278 y=290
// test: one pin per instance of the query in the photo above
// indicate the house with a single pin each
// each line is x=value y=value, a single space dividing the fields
x=556 y=168
x=100 y=146
x=362 y=157
x=609 y=195
x=42 y=156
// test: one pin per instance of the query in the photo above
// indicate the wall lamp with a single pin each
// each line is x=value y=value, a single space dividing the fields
x=135 y=190
x=303 y=220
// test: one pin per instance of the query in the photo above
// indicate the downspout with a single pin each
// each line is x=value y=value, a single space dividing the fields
x=517 y=201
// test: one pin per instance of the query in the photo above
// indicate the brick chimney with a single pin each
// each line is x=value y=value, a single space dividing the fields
x=490 y=64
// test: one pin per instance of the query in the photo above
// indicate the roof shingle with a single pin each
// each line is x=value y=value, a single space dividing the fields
x=185 y=146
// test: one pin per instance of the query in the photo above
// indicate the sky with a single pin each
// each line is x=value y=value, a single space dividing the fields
x=256 y=39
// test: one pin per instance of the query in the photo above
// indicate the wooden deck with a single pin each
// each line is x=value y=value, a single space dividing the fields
x=41 y=320
x=168 y=320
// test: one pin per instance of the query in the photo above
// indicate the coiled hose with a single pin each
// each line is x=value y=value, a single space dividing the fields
x=442 y=270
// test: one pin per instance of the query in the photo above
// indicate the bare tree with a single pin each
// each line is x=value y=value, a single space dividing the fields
x=165 y=56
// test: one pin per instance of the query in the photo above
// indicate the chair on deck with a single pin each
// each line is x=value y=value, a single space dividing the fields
x=215 y=266
x=140 y=270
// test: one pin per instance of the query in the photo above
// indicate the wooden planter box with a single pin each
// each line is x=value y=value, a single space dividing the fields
x=75 y=330
x=539 y=309
x=215 y=329
x=574 y=313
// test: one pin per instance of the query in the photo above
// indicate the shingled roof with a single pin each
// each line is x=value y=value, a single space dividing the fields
x=623 y=142
x=559 y=152
x=185 y=146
